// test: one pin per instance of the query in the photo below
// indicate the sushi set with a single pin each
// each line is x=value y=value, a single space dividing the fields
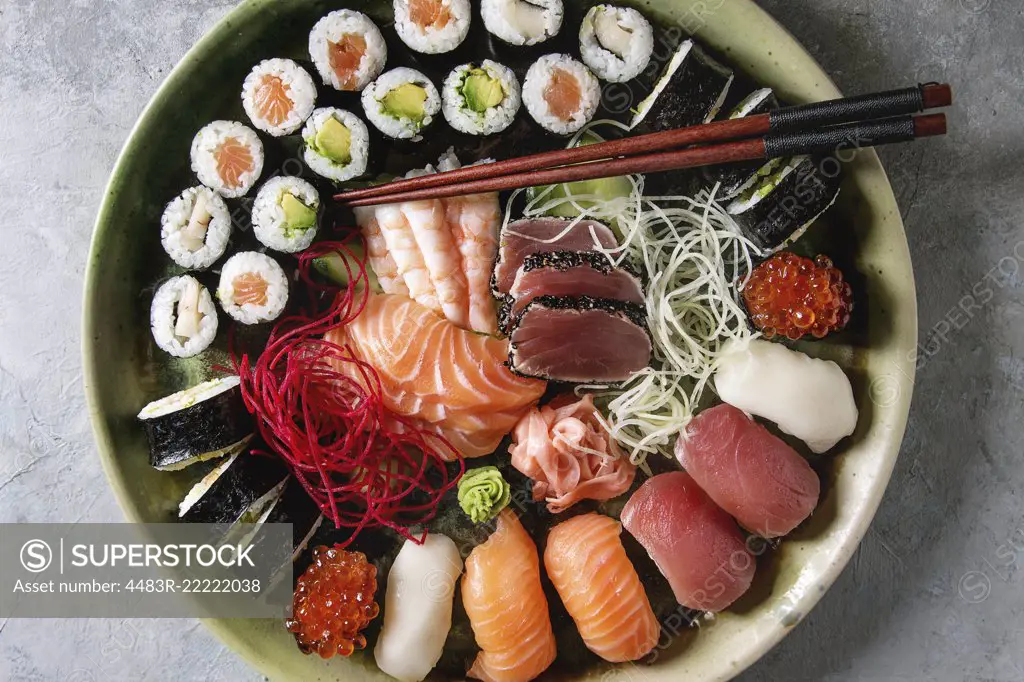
x=515 y=425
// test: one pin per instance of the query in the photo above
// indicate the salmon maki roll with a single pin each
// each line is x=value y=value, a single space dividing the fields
x=506 y=606
x=253 y=288
x=588 y=566
x=432 y=26
x=278 y=96
x=561 y=94
x=348 y=50
x=227 y=157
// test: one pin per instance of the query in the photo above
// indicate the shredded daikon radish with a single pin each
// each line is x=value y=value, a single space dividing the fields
x=694 y=259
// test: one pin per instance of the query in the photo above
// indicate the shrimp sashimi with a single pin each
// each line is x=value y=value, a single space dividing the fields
x=474 y=221
x=600 y=588
x=408 y=258
x=506 y=606
x=441 y=257
x=377 y=252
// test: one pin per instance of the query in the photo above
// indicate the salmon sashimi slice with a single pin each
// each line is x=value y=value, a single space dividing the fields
x=601 y=590
x=433 y=371
x=381 y=262
x=345 y=56
x=273 y=101
x=442 y=259
x=249 y=289
x=506 y=606
x=234 y=160
x=429 y=13
x=563 y=94
x=402 y=246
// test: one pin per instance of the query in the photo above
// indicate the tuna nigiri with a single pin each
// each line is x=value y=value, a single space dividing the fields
x=750 y=473
x=697 y=546
x=588 y=566
x=506 y=606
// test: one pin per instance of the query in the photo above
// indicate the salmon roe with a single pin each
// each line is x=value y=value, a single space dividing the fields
x=791 y=296
x=333 y=603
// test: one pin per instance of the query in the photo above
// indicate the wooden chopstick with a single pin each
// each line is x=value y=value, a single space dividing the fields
x=866 y=107
x=775 y=145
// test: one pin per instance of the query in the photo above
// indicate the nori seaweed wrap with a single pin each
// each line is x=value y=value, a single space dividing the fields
x=242 y=483
x=734 y=178
x=200 y=423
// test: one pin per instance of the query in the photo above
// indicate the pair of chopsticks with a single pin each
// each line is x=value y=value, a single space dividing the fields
x=822 y=127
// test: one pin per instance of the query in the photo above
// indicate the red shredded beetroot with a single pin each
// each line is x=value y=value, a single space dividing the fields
x=363 y=465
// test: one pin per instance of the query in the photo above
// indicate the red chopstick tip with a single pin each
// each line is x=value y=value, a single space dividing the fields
x=937 y=95
x=930 y=125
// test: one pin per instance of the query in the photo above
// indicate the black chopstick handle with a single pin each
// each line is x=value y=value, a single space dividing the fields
x=838 y=138
x=862 y=108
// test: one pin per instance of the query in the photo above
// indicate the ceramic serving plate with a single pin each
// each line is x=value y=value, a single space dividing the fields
x=864 y=234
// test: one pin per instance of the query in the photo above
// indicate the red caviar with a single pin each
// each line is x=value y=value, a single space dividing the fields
x=333 y=603
x=791 y=296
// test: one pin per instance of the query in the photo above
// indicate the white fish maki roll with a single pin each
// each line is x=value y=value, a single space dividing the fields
x=183 y=317
x=253 y=288
x=401 y=103
x=195 y=228
x=284 y=215
x=432 y=26
x=227 y=157
x=523 y=22
x=561 y=93
x=481 y=99
x=616 y=42
x=347 y=49
x=278 y=96
x=337 y=144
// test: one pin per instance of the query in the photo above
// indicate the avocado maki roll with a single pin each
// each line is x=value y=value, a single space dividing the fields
x=238 y=489
x=734 y=178
x=401 y=103
x=285 y=214
x=481 y=99
x=337 y=144
x=200 y=423
x=691 y=90
x=788 y=197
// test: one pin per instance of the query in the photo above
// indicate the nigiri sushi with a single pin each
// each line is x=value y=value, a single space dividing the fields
x=418 y=608
x=808 y=398
x=750 y=473
x=506 y=606
x=697 y=546
x=589 y=568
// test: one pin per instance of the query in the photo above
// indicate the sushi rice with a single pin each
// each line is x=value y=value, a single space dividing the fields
x=319 y=159
x=341 y=28
x=616 y=42
x=278 y=95
x=227 y=147
x=523 y=22
x=433 y=39
x=271 y=220
x=183 y=317
x=195 y=228
x=397 y=125
x=253 y=288
x=464 y=115
x=537 y=86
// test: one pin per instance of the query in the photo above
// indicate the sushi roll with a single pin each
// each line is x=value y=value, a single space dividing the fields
x=347 y=49
x=239 y=488
x=784 y=199
x=432 y=26
x=561 y=94
x=616 y=42
x=337 y=144
x=522 y=22
x=401 y=103
x=481 y=99
x=691 y=90
x=200 y=423
x=195 y=228
x=737 y=177
x=284 y=215
x=253 y=288
x=278 y=96
x=183 y=317
x=227 y=157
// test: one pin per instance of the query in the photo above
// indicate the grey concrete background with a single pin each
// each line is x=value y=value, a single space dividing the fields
x=934 y=593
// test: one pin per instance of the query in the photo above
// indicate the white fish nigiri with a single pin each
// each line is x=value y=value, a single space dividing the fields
x=418 y=608
x=808 y=398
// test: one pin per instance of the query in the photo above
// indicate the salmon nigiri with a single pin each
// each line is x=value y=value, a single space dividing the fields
x=503 y=597
x=588 y=566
